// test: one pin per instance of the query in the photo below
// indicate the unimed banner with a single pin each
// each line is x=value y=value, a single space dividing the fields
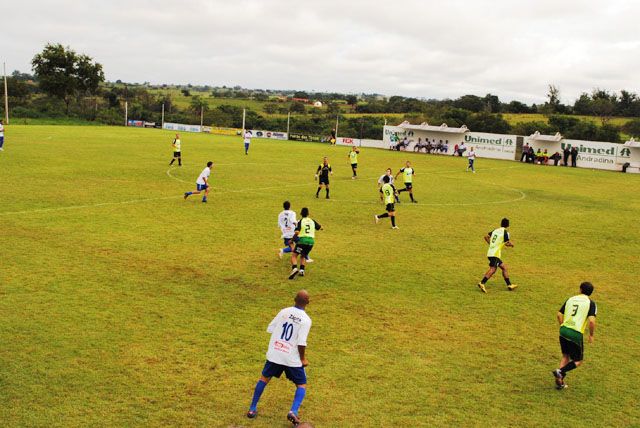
x=494 y=146
x=599 y=155
x=181 y=127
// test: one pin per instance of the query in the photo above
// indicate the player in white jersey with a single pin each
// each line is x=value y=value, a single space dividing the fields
x=472 y=159
x=287 y=223
x=286 y=353
x=247 y=140
x=1 y=136
x=202 y=183
x=389 y=174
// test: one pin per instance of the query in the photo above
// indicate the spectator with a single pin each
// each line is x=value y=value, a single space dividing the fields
x=539 y=156
x=525 y=152
x=445 y=147
x=531 y=156
x=556 y=158
x=429 y=147
x=545 y=156
x=439 y=147
x=455 y=150
x=567 y=153
x=574 y=157
x=461 y=149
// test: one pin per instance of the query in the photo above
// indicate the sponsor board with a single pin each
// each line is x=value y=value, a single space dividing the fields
x=206 y=129
x=273 y=135
x=181 y=127
x=306 y=137
x=135 y=123
x=219 y=130
x=378 y=144
x=494 y=146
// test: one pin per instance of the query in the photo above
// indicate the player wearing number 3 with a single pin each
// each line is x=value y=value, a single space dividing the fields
x=289 y=331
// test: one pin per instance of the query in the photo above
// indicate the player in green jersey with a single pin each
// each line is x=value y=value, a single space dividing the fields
x=353 y=159
x=407 y=176
x=574 y=316
x=389 y=193
x=305 y=232
x=497 y=239
x=177 y=153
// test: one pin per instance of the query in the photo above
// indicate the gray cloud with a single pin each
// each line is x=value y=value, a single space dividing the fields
x=416 y=48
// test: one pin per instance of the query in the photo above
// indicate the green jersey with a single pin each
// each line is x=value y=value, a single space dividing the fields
x=497 y=239
x=176 y=145
x=388 y=192
x=577 y=311
x=353 y=156
x=407 y=174
x=307 y=230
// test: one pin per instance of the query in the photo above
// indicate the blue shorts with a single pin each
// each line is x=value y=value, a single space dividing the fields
x=296 y=375
x=200 y=187
x=287 y=241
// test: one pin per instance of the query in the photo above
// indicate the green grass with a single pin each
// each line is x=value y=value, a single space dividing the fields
x=514 y=118
x=124 y=305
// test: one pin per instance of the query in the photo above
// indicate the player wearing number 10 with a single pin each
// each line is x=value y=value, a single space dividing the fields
x=289 y=331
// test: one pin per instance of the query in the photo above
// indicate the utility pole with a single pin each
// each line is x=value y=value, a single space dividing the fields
x=201 y=117
x=126 y=113
x=244 y=115
x=288 y=120
x=6 y=94
x=162 y=120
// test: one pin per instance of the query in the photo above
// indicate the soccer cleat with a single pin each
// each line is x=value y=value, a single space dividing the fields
x=293 y=273
x=186 y=195
x=512 y=287
x=317 y=196
x=414 y=201
x=280 y=253
x=376 y=219
x=559 y=378
x=204 y=201
x=301 y=273
x=293 y=418
x=327 y=197
x=309 y=260
x=252 y=414
x=395 y=227
x=562 y=386
x=353 y=178
x=482 y=287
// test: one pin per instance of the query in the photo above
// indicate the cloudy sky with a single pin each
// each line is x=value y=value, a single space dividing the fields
x=420 y=48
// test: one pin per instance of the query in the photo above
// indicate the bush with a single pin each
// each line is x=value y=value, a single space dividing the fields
x=632 y=128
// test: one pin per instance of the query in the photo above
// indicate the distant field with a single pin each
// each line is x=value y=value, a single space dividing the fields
x=123 y=305
x=514 y=118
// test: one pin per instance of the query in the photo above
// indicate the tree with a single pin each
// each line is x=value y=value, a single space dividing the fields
x=603 y=104
x=632 y=128
x=297 y=107
x=186 y=92
x=583 y=104
x=270 y=108
x=198 y=104
x=351 y=100
x=63 y=74
x=470 y=102
x=300 y=94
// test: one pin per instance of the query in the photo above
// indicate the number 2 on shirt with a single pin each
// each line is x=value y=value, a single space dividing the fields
x=287 y=331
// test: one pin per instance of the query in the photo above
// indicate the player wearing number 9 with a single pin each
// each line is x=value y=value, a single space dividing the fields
x=286 y=353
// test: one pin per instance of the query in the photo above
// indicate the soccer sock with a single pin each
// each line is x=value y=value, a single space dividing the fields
x=297 y=399
x=393 y=220
x=260 y=386
x=402 y=190
x=385 y=215
x=286 y=250
x=484 y=280
x=508 y=281
x=570 y=366
x=294 y=266
x=327 y=189
x=180 y=161
x=172 y=161
x=318 y=192
x=411 y=196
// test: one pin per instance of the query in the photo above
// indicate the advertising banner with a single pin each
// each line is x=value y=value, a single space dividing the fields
x=345 y=141
x=392 y=134
x=181 y=127
x=494 y=146
x=218 y=130
x=598 y=155
x=269 y=134
x=135 y=123
x=306 y=137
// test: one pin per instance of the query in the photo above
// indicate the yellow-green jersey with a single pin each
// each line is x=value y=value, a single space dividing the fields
x=353 y=157
x=176 y=145
x=577 y=311
x=497 y=239
x=388 y=192
x=307 y=230
x=407 y=174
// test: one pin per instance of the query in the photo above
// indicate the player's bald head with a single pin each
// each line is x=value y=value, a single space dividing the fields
x=302 y=298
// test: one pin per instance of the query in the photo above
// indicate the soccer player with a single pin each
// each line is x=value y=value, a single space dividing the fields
x=202 y=183
x=247 y=140
x=333 y=138
x=497 y=239
x=287 y=223
x=388 y=173
x=388 y=191
x=323 y=171
x=176 y=151
x=287 y=348
x=306 y=232
x=574 y=316
x=1 y=136
x=472 y=158
x=407 y=175
x=353 y=159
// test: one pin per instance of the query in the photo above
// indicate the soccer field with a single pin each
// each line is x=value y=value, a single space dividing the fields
x=121 y=304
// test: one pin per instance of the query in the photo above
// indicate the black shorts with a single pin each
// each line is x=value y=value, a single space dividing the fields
x=354 y=165
x=408 y=186
x=494 y=262
x=303 y=249
x=391 y=207
x=176 y=154
x=324 y=181
x=572 y=349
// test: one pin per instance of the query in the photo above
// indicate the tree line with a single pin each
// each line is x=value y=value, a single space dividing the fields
x=67 y=84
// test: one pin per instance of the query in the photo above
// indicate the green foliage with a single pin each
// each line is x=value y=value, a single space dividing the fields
x=297 y=107
x=632 y=128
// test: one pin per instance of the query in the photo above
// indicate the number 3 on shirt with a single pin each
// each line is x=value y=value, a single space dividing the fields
x=287 y=331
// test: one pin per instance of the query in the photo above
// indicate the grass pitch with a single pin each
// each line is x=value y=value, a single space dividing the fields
x=124 y=305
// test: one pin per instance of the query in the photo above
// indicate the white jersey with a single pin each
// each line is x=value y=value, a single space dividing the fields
x=1 y=130
x=472 y=155
x=289 y=329
x=204 y=174
x=381 y=179
x=247 y=137
x=287 y=223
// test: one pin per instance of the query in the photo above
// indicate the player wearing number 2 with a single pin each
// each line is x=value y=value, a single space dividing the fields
x=574 y=316
x=497 y=239
x=289 y=331
x=306 y=233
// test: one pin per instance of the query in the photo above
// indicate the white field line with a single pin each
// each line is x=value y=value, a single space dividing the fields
x=257 y=189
